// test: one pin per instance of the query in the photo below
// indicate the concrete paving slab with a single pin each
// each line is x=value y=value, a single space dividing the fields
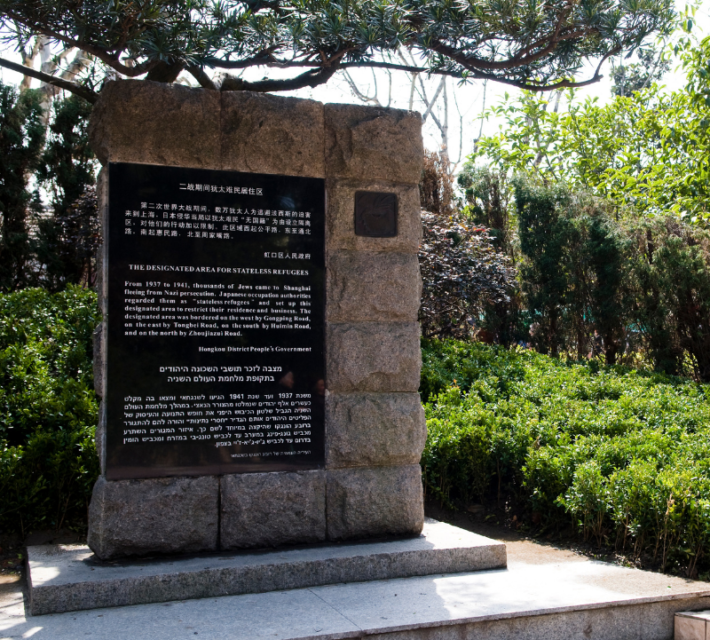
x=69 y=578
x=559 y=599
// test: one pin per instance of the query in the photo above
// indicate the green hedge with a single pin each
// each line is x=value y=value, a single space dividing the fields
x=48 y=409
x=622 y=455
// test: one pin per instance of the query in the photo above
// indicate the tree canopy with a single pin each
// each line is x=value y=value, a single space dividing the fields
x=648 y=152
x=526 y=43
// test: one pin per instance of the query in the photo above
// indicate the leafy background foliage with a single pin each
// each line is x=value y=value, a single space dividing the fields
x=22 y=136
x=647 y=152
x=49 y=230
x=48 y=408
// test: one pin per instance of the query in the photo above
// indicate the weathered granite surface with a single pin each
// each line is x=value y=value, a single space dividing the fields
x=374 y=429
x=691 y=625
x=374 y=501
x=364 y=286
x=377 y=357
x=160 y=515
x=156 y=123
x=101 y=252
x=264 y=133
x=363 y=143
x=100 y=437
x=98 y=367
x=272 y=509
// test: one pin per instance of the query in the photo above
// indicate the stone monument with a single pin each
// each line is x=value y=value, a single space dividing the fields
x=259 y=359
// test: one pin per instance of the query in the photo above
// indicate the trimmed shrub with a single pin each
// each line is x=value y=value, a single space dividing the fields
x=621 y=455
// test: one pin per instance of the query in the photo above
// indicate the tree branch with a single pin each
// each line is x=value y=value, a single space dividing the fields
x=359 y=94
x=478 y=64
x=264 y=57
x=311 y=78
x=430 y=106
x=84 y=92
x=101 y=54
x=538 y=43
x=480 y=75
x=201 y=77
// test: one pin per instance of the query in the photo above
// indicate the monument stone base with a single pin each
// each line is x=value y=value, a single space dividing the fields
x=71 y=578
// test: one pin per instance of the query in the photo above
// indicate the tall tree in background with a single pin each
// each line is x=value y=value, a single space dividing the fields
x=488 y=202
x=536 y=46
x=605 y=250
x=47 y=202
x=651 y=67
x=544 y=239
x=436 y=187
x=22 y=135
x=647 y=152
x=671 y=271
x=66 y=240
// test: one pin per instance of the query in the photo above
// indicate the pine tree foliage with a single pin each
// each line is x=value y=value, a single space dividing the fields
x=526 y=43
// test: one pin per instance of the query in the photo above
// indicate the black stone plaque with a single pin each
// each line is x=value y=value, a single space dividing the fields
x=216 y=299
x=375 y=214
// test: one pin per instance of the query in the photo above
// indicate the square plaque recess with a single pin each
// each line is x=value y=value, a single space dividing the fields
x=216 y=294
x=375 y=214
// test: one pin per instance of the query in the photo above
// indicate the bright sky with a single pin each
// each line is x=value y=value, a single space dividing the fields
x=464 y=102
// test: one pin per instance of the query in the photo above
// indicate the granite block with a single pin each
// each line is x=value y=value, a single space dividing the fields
x=374 y=501
x=159 y=515
x=100 y=437
x=264 y=133
x=688 y=628
x=363 y=143
x=373 y=357
x=156 y=123
x=372 y=287
x=102 y=249
x=374 y=429
x=272 y=509
x=99 y=362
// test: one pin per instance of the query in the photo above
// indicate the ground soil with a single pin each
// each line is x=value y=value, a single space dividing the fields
x=13 y=553
x=520 y=538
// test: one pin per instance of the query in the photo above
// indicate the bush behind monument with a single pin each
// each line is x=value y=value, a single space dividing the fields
x=48 y=408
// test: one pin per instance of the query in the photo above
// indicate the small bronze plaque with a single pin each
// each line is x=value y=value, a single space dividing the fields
x=375 y=214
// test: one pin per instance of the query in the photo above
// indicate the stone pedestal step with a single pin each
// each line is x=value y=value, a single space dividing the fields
x=543 y=594
x=70 y=578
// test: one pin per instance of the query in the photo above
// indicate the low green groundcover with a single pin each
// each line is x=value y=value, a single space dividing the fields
x=620 y=454
x=48 y=409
